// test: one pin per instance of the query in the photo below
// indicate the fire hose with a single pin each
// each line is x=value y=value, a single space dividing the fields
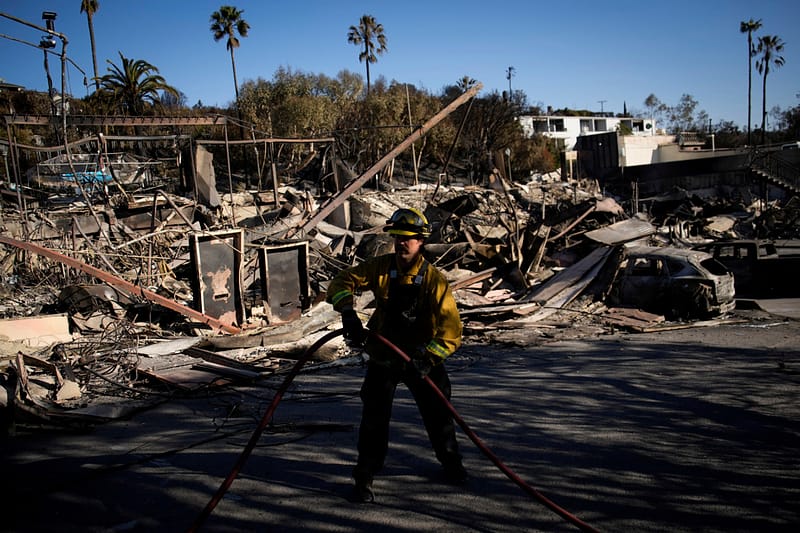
x=267 y=418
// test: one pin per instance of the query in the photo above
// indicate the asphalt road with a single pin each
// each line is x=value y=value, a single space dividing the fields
x=686 y=430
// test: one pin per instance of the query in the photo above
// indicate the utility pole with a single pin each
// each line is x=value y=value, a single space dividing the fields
x=47 y=42
x=509 y=75
x=601 y=106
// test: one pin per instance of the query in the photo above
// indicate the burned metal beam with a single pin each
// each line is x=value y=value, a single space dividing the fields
x=122 y=284
x=270 y=140
x=90 y=120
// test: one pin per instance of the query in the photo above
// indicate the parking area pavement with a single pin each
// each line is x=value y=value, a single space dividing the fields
x=783 y=307
x=692 y=429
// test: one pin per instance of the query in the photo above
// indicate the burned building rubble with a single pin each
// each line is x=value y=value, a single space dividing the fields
x=118 y=294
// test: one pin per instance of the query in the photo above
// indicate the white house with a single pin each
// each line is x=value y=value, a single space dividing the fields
x=566 y=129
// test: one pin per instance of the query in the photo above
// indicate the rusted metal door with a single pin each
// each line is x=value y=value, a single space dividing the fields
x=284 y=280
x=217 y=282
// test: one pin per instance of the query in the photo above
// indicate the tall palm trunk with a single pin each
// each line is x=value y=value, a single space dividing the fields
x=769 y=48
x=239 y=116
x=367 y=50
x=764 y=108
x=227 y=23
x=749 y=85
x=94 y=52
x=749 y=27
x=235 y=79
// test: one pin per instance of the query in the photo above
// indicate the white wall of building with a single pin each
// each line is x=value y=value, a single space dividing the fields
x=635 y=150
x=567 y=129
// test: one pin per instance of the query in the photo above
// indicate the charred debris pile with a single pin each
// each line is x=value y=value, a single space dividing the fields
x=117 y=298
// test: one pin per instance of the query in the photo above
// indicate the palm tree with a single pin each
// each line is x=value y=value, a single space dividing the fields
x=749 y=27
x=367 y=33
x=133 y=84
x=768 y=50
x=90 y=7
x=227 y=22
x=466 y=82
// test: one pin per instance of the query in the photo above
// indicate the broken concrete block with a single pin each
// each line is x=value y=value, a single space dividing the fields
x=35 y=331
x=69 y=390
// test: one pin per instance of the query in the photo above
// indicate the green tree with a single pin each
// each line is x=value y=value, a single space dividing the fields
x=133 y=85
x=768 y=52
x=173 y=102
x=792 y=119
x=369 y=34
x=227 y=23
x=295 y=103
x=492 y=126
x=749 y=27
x=400 y=108
x=727 y=135
x=779 y=123
x=90 y=7
x=685 y=117
x=655 y=108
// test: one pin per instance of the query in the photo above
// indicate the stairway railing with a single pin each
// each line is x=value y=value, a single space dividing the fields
x=781 y=171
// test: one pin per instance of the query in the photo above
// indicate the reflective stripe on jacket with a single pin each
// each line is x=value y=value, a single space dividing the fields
x=438 y=325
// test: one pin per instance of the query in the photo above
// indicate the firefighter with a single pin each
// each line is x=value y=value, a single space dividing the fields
x=415 y=310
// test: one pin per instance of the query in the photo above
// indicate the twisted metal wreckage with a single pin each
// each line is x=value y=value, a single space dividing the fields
x=195 y=293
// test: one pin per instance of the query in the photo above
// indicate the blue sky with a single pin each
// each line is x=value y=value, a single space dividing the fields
x=564 y=54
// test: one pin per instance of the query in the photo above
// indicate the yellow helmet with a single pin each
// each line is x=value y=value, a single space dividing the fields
x=408 y=222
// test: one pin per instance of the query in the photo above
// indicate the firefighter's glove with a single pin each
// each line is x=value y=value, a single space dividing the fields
x=354 y=331
x=423 y=362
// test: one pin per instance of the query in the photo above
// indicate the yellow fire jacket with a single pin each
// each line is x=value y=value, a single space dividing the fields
x=437 y=327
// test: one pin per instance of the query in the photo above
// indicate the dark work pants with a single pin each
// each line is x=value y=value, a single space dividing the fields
x=377 y=396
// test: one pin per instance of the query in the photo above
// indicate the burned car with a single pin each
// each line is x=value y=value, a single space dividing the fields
x=676 y=282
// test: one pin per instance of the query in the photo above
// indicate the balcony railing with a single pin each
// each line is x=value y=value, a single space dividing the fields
x=777 y=169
